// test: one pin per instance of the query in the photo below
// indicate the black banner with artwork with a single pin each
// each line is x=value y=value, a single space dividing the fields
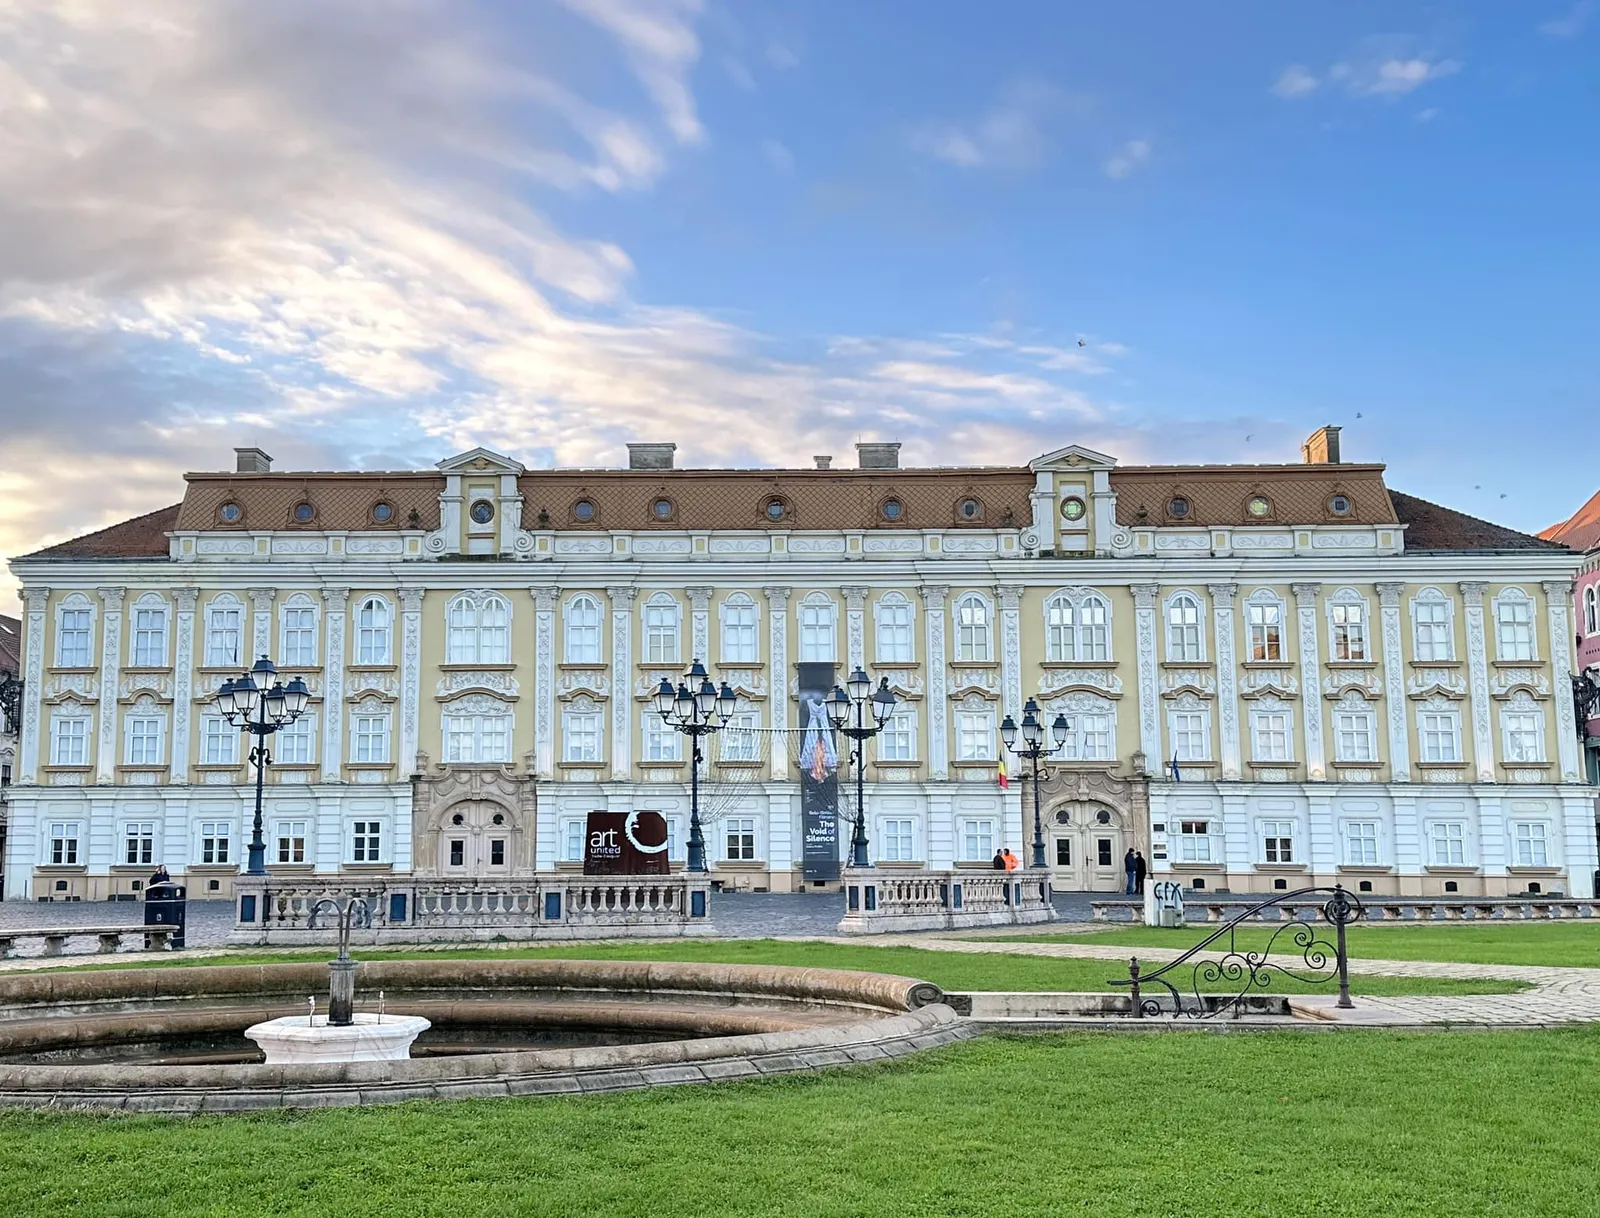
x=818 y=761
x=625 y=843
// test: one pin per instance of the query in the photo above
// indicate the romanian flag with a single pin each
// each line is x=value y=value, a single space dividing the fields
x=1003 y=776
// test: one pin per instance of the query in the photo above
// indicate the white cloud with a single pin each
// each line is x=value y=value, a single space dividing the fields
x=1571 y=25
x=1295 y=81
x=1428 y=115
x=659 y=38
x=1131 y=155
x=1015 y=133
x=1391 y=76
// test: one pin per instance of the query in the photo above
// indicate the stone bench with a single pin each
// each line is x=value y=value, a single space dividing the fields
x=159 y=938
x=1418 y=909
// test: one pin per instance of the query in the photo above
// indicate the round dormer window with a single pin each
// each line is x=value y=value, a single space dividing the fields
x=1178 y=508
x=893 y=509
x=970 y=509
x=482 y=512
x=583 y=511
x=1340 y=505
x=1259 y=506
x=662 y=509
x=1073 y=508
x=230 y=513
x=304 y=513
x=776 y=509
x=382 y=512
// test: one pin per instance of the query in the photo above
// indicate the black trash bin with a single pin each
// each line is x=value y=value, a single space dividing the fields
x=166 y=905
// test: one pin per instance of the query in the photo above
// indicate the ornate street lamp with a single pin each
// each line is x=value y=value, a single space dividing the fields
x=696 y=708
x=261 y=704
x=1028 y=743
x=870 y=711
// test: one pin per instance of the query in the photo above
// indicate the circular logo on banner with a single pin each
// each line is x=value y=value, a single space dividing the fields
x=628 y=827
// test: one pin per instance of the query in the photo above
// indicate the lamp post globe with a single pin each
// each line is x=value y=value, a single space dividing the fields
x=696 y=708
x=1028 y=742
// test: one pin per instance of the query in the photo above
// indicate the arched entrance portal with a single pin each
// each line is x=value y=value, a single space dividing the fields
x=473 y=822
x=474 y=839
x=1085 y=848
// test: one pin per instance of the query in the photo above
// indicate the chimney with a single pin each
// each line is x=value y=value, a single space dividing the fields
x=651 y=456
x=252 y=461
x=878 y=456
x=1322 y=446
x=823 y=460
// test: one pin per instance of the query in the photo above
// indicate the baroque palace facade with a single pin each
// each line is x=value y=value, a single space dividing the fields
x=1272 y=675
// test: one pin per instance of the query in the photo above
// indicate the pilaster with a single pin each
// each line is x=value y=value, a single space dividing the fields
x=105 y=754
x=1478 y=682
x=700 y=623
x=1227 y=678
x=1011 y=649
x=335 y=604
x=1558 y=595
x=1394 y=682
x=1144 y=620
x=934 y=598
x=621 y=682
x=855 y=605
x=37 y=603
x=260 y=624
x=544 y=684
x=1305 y=604
x=778 y=653
x=410 y=676
x=182 y=684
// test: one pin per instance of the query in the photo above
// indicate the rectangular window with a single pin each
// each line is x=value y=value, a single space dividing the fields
x=1194 y=841
x=896 y=843
x=1431 y=621
x=740 y=740
x=1191 y=735
x=975 y=735
x=222 y=637
x=1349 y=631
x=69 y=740
x=1094 y=731
x=149 y=638
x=215 y=840
x=1514 y=627
x=292 y=841
x=661 y=634
x=497 y=852
x=477 y=738
x=977 y=840
x=973 y=644
x=572 y=841
x=581 y=736
x=1530 y=839
x=816 y=634
x=294 y=742
x=583 y=631
x=219 y=741
x=299 y=638
x=370 y=739
x=662 y=742
x=1522 y=734
x=1269 y=732
x=1441 y=735
x=72 y=639
x=740 y=837
x=894 y=632
x=366 y=838
x=1266 y=631
x=1183 y=631
x=739 y=634
x=1277 y=841
x=458 y=852
x=1361 y=843
x=1449 y=843
x=1354 y=736
x=144 y=741
x=898 y=740
x=372 y=632
x=64 y=844
x=139 y=843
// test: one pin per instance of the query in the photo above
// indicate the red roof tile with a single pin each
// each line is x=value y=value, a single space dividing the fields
x=1581 y=530
x=142 y=537
x=1431 y=527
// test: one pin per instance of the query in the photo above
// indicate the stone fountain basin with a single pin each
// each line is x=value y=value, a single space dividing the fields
x=296 y=1041
x=663 y=1022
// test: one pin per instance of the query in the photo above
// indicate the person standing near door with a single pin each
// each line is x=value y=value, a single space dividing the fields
x=1140 y=870
x=1130 y=868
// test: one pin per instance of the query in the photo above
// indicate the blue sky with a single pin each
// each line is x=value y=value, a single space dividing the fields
x=372 y=234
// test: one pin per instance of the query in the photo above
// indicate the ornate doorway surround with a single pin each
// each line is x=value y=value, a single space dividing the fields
x=472 y=821
x=1092 y=818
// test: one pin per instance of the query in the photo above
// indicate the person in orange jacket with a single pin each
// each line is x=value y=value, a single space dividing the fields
x=1012 y=861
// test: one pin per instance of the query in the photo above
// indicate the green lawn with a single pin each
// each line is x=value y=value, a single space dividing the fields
x=1555 y=943
x=949 y=970
x=1281 y=1123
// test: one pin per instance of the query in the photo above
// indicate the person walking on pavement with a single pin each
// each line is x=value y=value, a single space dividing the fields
x=1130 y=868
x=1140 y=869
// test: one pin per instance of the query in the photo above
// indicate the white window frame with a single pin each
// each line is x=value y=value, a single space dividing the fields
x=297 y=633
x=1530 y=843
x=662 y=743
x=1195 y=840
x=287 y=741
x=1591 y=610
x=1184 y=726
x=1264 y=616
x=1522 y=731
x=743 y=733
x=818 y=619
x=897 y=742
x=1438 y=734
x=1361 y=848
x=583 y=630
x=579 y=726
x=219 y=741
x=369 y=728
x=1077 y=628
x=897 y=839
x=573 y=835
x=152 y=741
x=1433 y=626
x=147 y=638
x=478 y=735
x=1278 y=845
x=139 y=839
x=291 y=842
x=71 y=732
x=75 y=632
x=740 y=640
x=1447 y=843
x=1349 y=628
x=368 y=839
x=893 y=621
x=739 y=843
x=978 y=839
x=1267 y=756
x=63 y=843
x=1185 y=639
x=224 y=621
x=975 y=734
x=216 y=840
x=1516 y=639
x=974 y=630
x=478 y=629
x=1355 y=734
x=661 y=623
x=374 y=632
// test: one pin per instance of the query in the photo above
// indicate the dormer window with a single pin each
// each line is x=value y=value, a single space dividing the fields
x=662 y=509
x=1178 y=508
x=482 y=511
x=1259 y=506
x=583 y=511
x=382 y=512
x=970 y=509
x=1072 y=508
x=304 y=512
x=230 y=513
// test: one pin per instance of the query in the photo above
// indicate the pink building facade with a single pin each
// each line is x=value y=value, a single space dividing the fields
x=1581 y=532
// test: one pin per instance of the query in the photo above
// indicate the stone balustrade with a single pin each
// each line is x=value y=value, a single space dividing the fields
x=880 y=901
x=1378 y=909
x=271 y=911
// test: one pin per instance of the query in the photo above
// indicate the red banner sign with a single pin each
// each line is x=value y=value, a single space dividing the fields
x=625 y=843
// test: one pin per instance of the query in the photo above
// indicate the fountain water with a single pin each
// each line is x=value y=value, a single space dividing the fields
x=342 y=1035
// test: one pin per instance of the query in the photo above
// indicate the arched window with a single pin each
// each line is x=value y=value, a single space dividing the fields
x=1432 y=637
x=974 y=644
x=1185 y=644
x=1513 y=618
x=662 y=616
x=1077 y=628
x=1347 y=626
x=892 y=615
x=372 y=631
x=817 y=614
x=739 y=645
x=1264 y=620
x=147 y=644
x=479 y=629
x=1591 y=611
x=224 y=632
x=583 y=630
x=297 y=633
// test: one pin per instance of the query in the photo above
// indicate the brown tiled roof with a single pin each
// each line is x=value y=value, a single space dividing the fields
x=142 y=537
x=1217 y=494
x=812 y=498
x=1581 y=530
x=1431 y=527
x=10 y=644
x=340 y=500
